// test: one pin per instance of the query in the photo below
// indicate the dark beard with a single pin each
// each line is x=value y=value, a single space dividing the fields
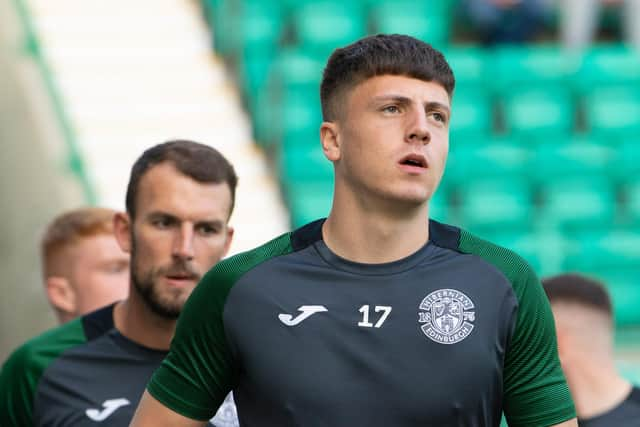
x=145 y=287
x=152 y=300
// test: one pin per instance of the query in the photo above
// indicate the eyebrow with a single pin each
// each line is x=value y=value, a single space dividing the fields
x=404 y=100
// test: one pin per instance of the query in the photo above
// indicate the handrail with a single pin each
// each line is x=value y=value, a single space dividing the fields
x=32 y=46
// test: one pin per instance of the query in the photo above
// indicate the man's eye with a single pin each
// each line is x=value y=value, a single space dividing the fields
x=391 y=109
x=439 y=117
x=162 y=223
x=208 y=229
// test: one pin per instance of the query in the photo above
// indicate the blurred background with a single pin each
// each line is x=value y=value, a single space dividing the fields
x=545 y=132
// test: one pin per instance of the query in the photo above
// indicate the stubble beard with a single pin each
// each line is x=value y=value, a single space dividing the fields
x=146 y=286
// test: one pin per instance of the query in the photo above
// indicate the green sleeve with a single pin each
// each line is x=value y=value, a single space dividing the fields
x=200 y=369
x=535 y=390
x=23 y=369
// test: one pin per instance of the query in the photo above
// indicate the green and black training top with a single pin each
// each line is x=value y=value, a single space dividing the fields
x=452 y=335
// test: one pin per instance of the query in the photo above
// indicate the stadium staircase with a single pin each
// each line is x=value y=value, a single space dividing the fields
x=131 y=74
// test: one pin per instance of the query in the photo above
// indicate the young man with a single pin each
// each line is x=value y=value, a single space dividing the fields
x=584 y=322
x=95 y=368
x=83 y=266
x=374 y=316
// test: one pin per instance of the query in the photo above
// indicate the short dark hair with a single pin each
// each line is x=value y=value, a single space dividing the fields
x=377 y=55
x=578 y=289
x=197 y=161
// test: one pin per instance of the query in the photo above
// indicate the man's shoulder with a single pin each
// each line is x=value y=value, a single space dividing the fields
x=231 y=268
x=39 y=351
x=512 y=265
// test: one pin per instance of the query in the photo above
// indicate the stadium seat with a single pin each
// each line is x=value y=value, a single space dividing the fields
x=579 y=155
x=468 y=65
x=531 y=66
x=309 y=201
x=632 y=196
x=613 y=110
x=426 y=21
x=612 y=65
x=488 y=157
x=577 y=202
x=325 y=25
x=305 y=164
x=498 y=204
x=625 y=294
x=471 y=114
x=603 y=249
x=534 y=112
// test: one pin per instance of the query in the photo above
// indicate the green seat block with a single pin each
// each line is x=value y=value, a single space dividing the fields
x=578 y=202
x=471 y=113
x=527 y=66
x=326 y=25
x=300 y=113
x=468 y=65
x=608 y=65
x=622 y=285
x=613 y=110
x=632 y=193
x=600 y=250
x=539 y=111
x=309 y=201
x=427 y=21
x=574 y=156
x=496 y=203
x=305 y=164
x=489 y=158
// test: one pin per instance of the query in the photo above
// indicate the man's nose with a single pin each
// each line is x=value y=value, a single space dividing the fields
x=183 y=243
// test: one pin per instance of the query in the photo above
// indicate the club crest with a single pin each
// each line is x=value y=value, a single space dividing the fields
x=447 y=316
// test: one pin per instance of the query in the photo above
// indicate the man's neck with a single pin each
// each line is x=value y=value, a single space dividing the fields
x=137 y=322
x=595 y=387
x=375 y=235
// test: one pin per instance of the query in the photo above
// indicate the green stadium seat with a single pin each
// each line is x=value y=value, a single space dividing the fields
x=613 y=65
x=632 y=196
x=561 y=157
x=468 y=65
x=601 y=250
x=625 y=294
x=613 y=110
x=533 y=112
x=492 y=157
x=325 y=25
x=578 y=202
x=497 y=204
x=471 y=113
x=300 y=115
x=309 y=201
x=439 y=206
x=428 y=21
x=305 y=164
x=531 y=66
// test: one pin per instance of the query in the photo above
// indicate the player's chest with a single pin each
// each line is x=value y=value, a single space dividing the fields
x=393 y=336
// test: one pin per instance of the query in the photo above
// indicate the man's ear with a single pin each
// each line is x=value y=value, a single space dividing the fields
x=122 y=230
x=329 y=138
x=227 y=244
x=62 y=297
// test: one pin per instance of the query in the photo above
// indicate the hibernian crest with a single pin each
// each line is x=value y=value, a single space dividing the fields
x=448 y=316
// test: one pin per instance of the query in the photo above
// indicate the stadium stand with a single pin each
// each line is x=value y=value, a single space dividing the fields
x=544 y=144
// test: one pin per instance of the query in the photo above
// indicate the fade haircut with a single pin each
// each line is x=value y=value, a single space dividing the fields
x=578 y=289
x=68 y=229
x=378 y=55
x=197 y=161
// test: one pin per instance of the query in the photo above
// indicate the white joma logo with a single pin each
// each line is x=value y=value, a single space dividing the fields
x=110 y=406
x=307 y=310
